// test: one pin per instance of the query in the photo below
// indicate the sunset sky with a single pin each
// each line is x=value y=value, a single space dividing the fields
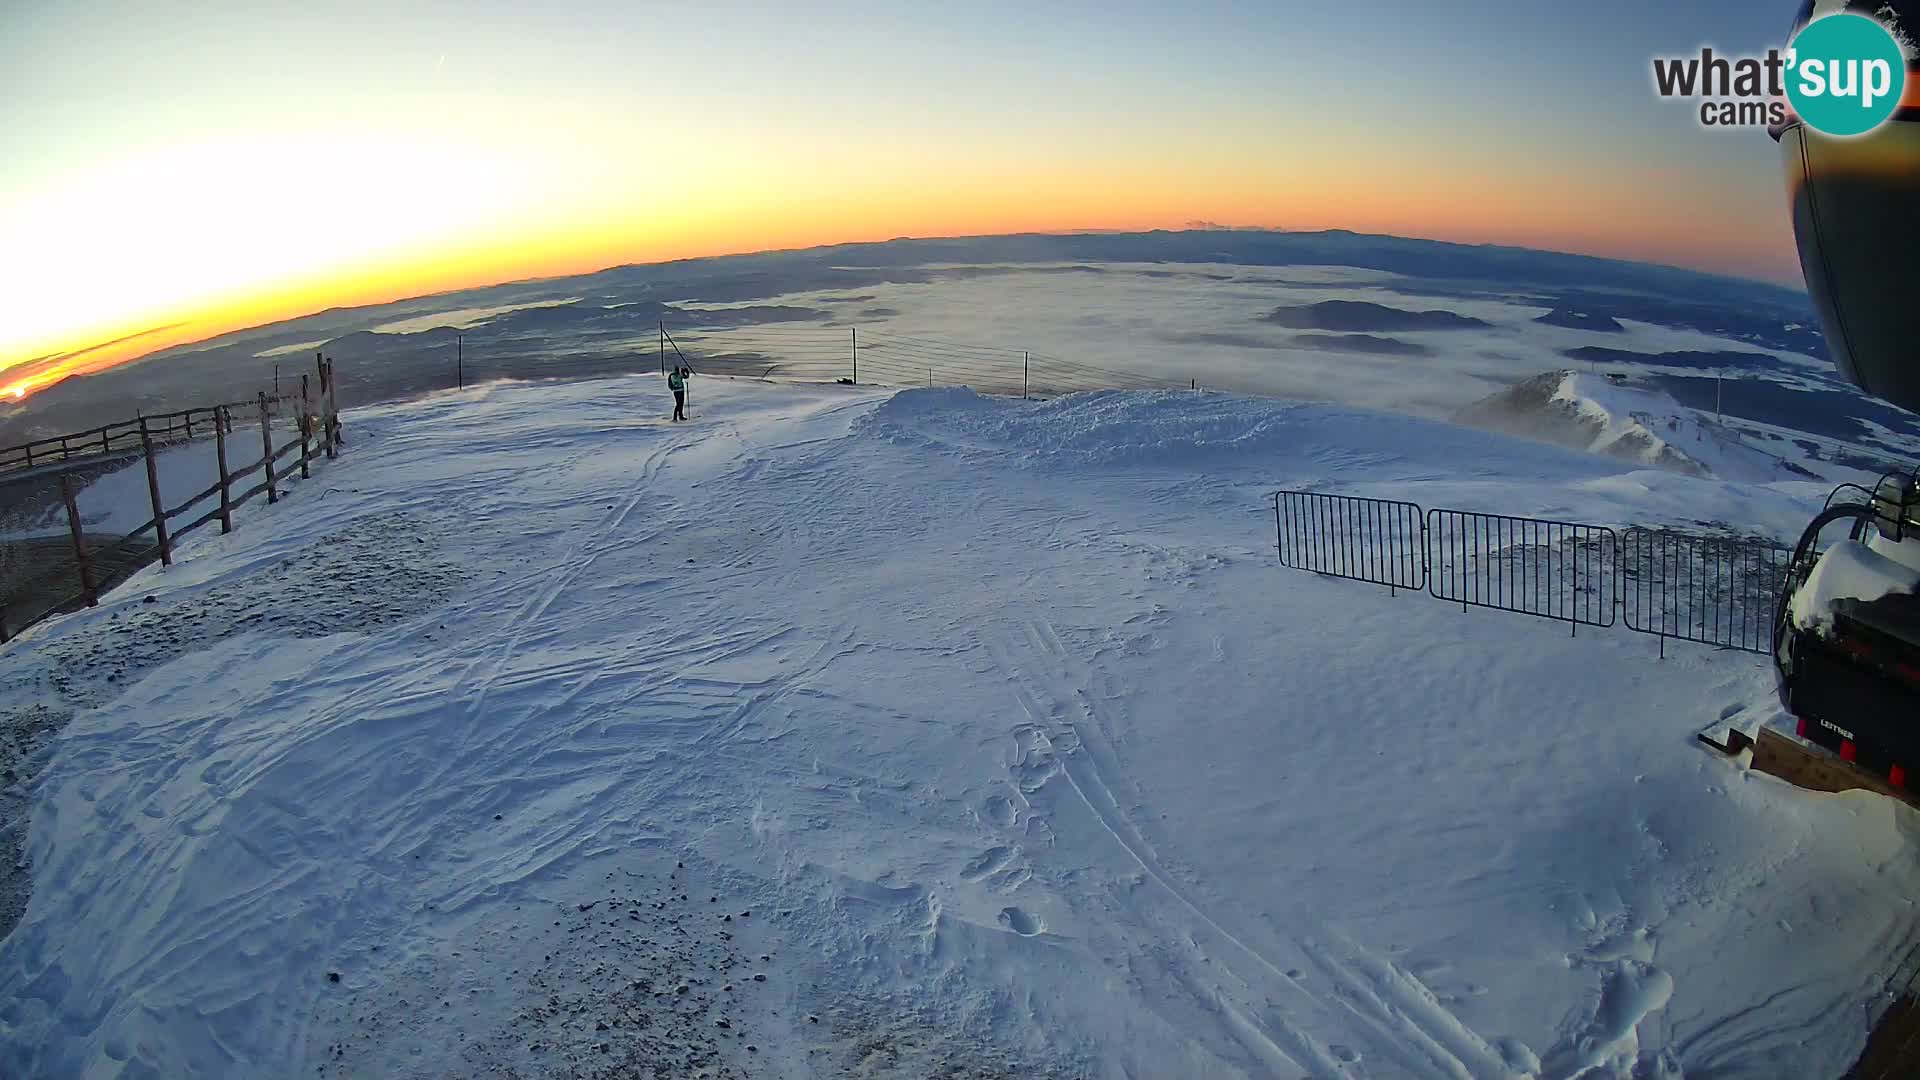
x=169 y=171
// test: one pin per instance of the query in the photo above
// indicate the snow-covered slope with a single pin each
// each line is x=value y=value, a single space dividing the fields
x=906 y=735
x=1633 y=423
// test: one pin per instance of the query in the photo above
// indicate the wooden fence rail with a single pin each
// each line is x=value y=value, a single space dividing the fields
x=91 y=568
x=121 y=436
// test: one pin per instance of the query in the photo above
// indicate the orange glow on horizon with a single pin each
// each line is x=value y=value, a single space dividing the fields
x=762 y=218
x=228 y=180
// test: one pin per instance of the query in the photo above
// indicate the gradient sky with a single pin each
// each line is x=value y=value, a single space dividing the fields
x=173 y=170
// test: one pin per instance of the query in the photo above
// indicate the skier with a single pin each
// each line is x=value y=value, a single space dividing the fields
x=677 y=382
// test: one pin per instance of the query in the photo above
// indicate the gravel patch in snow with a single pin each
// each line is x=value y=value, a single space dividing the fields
x=371 y=574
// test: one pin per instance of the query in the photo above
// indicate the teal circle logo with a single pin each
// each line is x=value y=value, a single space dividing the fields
x=1846 y=74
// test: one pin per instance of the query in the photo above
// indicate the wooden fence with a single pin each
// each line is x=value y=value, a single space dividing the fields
x=121 y=436
x=95 y=569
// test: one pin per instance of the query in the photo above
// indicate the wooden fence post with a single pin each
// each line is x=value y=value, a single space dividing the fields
x=79 y=542
x=333 y=402
x=306 y=427
x=326 y=408
x=221 y=423
x=153 y=489
x=326 y=422
x=266 y=446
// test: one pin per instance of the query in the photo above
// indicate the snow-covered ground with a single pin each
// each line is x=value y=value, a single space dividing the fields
x=909 y=736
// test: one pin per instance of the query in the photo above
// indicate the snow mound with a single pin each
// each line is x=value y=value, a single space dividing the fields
x=1162 y=429
x=1213 y=436
x=1848 y=569
x=1173 y=428
x=1647 y=427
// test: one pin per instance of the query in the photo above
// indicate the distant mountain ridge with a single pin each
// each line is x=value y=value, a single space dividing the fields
x=1581 y=320
x=1360 y=316
x=1592 y=413
x=601 y=318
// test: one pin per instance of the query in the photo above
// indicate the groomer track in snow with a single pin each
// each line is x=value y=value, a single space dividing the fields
x=852 y=734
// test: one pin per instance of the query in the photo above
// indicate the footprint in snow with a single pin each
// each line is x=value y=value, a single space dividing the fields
x=1021 y=922
x=986 y=863
x=999 y=810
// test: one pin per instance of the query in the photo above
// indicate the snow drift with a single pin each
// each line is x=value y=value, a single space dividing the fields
x=839 y=734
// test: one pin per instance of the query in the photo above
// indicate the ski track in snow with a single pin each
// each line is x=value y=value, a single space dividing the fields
x=837 y=734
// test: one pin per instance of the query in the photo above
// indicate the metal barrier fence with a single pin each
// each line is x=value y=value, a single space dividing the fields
x=1531 y=566
x=1374 y=540
x=1714 y=590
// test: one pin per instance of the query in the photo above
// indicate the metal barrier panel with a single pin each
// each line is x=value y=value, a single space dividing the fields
x=1715 y=590
x=1372 y=540
x=1552 y=569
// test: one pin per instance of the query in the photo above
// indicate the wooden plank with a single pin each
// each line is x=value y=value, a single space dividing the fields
x=306 y=426
x=191 y=503
x=266 y=446
x=333 y=406
x=326 y=421
x=153 y=489
x=1803 y=765
x=79 y=542
x=211 y=515
x=250 y=492
x=58 y=438
x=220 y=424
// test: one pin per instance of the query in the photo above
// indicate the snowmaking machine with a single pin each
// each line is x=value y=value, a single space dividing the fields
x=1847 y=624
